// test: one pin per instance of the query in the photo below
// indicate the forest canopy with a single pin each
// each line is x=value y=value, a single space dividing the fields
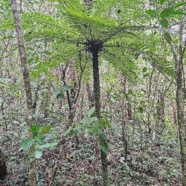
x=92 y=92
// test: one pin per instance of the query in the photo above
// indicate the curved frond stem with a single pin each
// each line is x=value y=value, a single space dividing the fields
x=158 y=67
x=118 y=60
x=128 y=29
x=109 y=13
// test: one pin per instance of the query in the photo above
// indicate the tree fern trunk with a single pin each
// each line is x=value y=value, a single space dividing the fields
x=98 y=113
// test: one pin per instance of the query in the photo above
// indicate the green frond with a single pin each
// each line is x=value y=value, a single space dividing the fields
x=83 y=18
x=6 y=18
x=161 y=64
x=40 y=25
x=89 y=26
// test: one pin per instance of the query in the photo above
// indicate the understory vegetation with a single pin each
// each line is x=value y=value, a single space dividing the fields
x=92 y=93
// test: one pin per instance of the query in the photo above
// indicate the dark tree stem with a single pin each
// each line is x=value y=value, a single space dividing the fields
x=96 y=78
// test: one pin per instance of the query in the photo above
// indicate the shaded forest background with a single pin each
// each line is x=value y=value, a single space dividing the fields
x=107 y=92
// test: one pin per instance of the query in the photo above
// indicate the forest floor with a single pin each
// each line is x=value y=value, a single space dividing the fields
x=77 y=162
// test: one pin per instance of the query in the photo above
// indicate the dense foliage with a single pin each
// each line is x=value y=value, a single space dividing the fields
x=121 y=115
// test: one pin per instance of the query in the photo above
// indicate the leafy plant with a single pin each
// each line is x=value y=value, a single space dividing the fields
x=59 y=92
x=91 y=126
x=38 y=140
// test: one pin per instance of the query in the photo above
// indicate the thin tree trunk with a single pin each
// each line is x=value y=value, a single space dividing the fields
x=180 y=98
x=3 y=171
x=180 y=117
x=98 y=113
x=27 y=86
x=124 y=110
x=160 y=126
x=174 y=113
x=181 y=121
x=89 y=96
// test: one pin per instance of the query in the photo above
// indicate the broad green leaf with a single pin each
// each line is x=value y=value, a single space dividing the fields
x=47 y=145
x=84 y=120
x=58 y=94
x=27 y=143
x=167 y=37
x=91 y=111
x=38 y=154
x=164 y=23
x=144 y=69
x=66 y=87
x=169 y=12
x=59 y=91
x=35 y=130
x=166 y=12
x=40 y=138
x=46 y=129
x=93 y=119
x=70 y=131
x=111 y=126
x=104 y=146
x=152 y=13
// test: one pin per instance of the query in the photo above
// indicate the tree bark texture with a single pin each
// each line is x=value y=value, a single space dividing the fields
x=180 y=97
x=3 y=171
x=123 y=123
x=160 y=125
x=27 y=86
x=96 y=78
x=174 y=115
x=89 y=96
x=180 y=118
